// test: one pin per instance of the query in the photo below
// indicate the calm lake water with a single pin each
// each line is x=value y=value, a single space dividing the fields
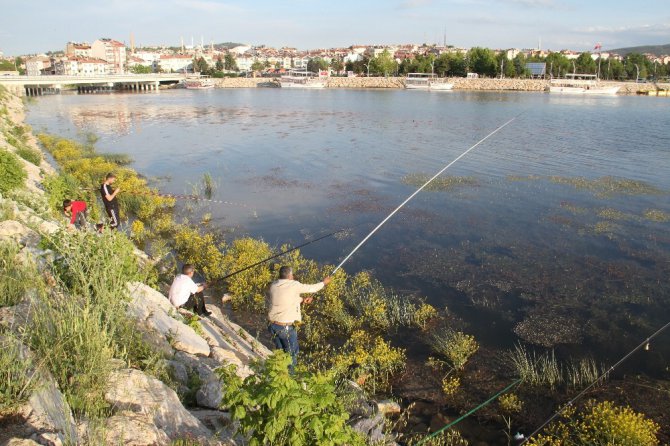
x=522 y=248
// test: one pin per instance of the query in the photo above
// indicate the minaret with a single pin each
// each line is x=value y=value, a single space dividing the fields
x=132 y=43
x=539 y=43
x=182 y=44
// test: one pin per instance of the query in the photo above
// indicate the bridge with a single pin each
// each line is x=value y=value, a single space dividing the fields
x=53 y=84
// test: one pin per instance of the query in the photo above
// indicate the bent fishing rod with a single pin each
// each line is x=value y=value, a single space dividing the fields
x=420 y=189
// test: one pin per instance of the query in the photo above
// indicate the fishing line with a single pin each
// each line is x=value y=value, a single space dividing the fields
x=292 y=249
x=420 y=189
x=178 y=197
x=644 y=344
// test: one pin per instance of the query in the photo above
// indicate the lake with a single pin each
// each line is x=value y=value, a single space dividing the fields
x=554 y=230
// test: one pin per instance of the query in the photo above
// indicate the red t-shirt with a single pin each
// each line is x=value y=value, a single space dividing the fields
x=77 y=207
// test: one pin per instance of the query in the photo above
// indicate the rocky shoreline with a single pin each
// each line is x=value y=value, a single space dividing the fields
x=530 y=85
x=143 y=409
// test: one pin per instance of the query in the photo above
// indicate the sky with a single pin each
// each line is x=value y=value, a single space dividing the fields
x=35 y=26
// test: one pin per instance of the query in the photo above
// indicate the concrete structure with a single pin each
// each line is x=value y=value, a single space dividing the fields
x=35 y=65
x=113 y=52
x=76 y=66
x=74 y=49
x=174 y=63
x=39 y=85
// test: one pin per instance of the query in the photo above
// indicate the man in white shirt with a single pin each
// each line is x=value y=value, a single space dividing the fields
x=185 y=292
x=284 y=310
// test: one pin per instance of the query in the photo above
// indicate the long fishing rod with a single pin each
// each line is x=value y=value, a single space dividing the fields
x=420 y=189
x=644 y=344
x=291 y=250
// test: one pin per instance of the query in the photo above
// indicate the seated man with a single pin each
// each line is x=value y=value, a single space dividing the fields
x=185 y=292
x=76 y=210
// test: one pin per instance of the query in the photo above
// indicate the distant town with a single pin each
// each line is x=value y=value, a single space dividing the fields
x=107 y=56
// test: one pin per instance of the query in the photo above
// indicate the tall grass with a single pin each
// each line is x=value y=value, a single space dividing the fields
x=16 y=278
x=17 y=374
x=208 y=185
x=545 y=370
x=83 y=324
x=455 y=346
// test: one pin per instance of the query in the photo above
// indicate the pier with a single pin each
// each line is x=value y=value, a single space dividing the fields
x=41 y=85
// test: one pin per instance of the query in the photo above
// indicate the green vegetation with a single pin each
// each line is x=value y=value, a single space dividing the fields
x=444 y=183
x=31 y=155
x=82 y=324
x=274 y=407
x=208 y=185
x=544 y=369
x=456 y=347
x=17 y=374
x=600 y=424
x=17 y=278
x=12 y=173
x=608 y=186
x=657 y=215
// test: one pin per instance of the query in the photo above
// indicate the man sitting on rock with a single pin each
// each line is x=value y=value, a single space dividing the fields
x=284 y=310
x=76 y=210
x=184 y=292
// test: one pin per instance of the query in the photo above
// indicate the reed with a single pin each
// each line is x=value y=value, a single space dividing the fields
x=208 y=185
x=17 y=278
x=536 y=369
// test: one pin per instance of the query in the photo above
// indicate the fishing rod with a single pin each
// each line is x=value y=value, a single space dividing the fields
x=291 y=250
x=420 y=189
x=644 y=344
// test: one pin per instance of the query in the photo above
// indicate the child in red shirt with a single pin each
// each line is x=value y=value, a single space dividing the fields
x=76 y=210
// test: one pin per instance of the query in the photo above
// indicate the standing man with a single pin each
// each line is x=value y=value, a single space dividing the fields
x=284 y=311
x=109 y=199
x=76 y=210
x=185 y=292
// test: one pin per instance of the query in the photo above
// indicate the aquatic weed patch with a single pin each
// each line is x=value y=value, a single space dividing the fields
x=440 y=184
x=607 y=186
x=657 y=215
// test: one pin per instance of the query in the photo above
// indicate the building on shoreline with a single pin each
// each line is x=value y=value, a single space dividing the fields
x=111 y=51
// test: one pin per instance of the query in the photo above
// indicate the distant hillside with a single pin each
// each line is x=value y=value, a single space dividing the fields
x=658 y=50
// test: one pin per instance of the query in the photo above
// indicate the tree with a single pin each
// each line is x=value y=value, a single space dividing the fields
x=219 y=64
x=383 y=63
x=482 y=61
x=558 y=65
x=457 y=65
x=337 y=65
x=585 y=64
x=141 y=69
x=317 y=64
x=200 y=65
x=520 y=65
x=442 y=65
x=257 y=66
x=229 y=63
x=630 y=62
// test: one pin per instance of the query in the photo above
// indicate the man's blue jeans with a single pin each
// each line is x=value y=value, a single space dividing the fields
x=286 y=338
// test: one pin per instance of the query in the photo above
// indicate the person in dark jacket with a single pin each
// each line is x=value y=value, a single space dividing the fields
x=110 y=201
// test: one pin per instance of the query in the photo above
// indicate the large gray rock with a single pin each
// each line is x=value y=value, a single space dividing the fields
x=372 y=427
x=222 y=425
x=210 y=393
x=133 y=430
x=152 y=308
x=133 y=391
x=20 y=442
x=12 y=230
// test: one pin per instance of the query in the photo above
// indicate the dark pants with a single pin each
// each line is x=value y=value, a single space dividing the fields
x=196 y=303
x=80 y=221
x=113 y=214
x=286 y=338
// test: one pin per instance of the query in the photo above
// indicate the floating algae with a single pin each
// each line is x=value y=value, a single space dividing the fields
x=573 y=208
x=523 y=177
x=656 y=215
x=608 y=186
x=440 y=184
x=546 y=328
x=615 y=214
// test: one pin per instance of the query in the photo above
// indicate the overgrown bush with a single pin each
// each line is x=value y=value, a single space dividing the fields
x=17 y=374
x=12 y=173
x=600 y=424
x=274 y=407
x=202 y=251
x=248 y=287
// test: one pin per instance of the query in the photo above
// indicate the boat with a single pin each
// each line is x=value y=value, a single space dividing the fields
x=199 y=83
x=304 y=79
x=426 y=81
x=581 y=84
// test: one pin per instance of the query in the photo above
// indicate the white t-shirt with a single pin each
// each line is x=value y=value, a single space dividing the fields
x=181 y=289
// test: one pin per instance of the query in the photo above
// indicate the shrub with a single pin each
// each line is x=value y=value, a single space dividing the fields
x=31 y=155
x=600 y=424
x=17 y=373
x=17 y=278
x=455 y=346
x=274 y=407
x=12 y=173
x=202 y=251
x=534 y=369
x=248 y=287
x=369 y=360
